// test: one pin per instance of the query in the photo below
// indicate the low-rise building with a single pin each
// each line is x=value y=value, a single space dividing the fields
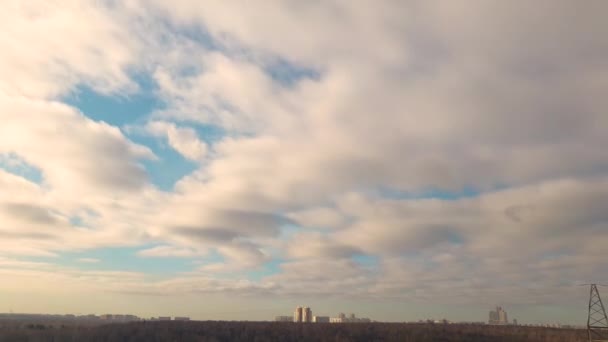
x=283 y=319
x=342 y=318
x=320 y=319
x=119 y=318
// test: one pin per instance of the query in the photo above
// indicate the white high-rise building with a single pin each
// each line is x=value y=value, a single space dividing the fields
x=499 y=316
x=297 y=315
x=306 y=315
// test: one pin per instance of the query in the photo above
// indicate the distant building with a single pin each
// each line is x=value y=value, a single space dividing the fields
x=320 y=319
x=164 y=318
x=119 y=318
x=493 y=317
x=350 y=319
x=181 y=318
x=498 y=317
x=284 y=319
x=514 y=321
x=502 y=317
x=340 y=319
x=297 y=315
x=306 y=315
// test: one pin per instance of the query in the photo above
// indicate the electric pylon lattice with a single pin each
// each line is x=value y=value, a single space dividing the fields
x=597 y=322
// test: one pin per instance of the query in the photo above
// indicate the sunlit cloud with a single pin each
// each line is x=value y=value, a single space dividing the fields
x=371 y=151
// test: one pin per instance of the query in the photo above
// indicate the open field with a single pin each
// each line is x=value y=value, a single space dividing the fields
x=216 y=331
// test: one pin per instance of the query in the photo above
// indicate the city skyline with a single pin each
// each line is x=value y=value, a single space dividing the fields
x=496 y=317
x=226 y=160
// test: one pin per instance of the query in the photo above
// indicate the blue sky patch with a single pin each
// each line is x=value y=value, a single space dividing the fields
x=117 y=109
x=132 y=110
x=76 y=221
x=433 y=193
x=122 y=259
x=268 y=269
x=454 y=238
x=14 y=164
x=366 y=260
x=170 y=166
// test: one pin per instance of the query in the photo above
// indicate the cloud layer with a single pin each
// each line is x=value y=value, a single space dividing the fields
x=411 y=150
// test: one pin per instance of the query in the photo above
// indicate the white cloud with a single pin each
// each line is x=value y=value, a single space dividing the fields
x=51 y=46
x=88 y=260
x=170 y=251
x=90 y=170
x=228 y=92
x=410 y=98
x=73 y=152
x=183 y=140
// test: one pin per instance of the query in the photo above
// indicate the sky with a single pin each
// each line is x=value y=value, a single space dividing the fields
x=401 y=160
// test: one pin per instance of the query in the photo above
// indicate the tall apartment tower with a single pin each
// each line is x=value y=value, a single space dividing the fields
x=502 y=316
x=297 y=315
x=307 y=315
x=499 y=316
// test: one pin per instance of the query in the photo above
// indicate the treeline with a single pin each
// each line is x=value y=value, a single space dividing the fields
x=221 y=331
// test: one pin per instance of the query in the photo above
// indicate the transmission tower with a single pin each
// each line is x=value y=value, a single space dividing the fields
x=597 y=322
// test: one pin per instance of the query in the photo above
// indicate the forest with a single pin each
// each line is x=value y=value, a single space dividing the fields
x=220 y=331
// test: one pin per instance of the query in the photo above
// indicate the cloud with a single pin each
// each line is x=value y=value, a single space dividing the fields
x=323 y=32
x=77 y=35
x=319 y=218
x=402 y=106
x=425 y=107
x=311 y=246
x=555 y=212
x=93 y=155
x=183 y=140
x=338 y=278
x=88 y=260
x=30 y=213
x=89 y=170
x=227 y=92
x=170 y=251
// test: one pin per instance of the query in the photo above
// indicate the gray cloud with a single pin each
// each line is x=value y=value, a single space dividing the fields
x=319 y=246
x=470 y=96
x=31 y=213
x=206 y=234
